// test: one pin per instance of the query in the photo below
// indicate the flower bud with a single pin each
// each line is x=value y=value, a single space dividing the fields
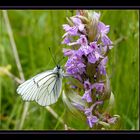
x=92 y=25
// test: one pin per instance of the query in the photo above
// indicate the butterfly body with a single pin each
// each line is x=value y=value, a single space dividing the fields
x=44 y=88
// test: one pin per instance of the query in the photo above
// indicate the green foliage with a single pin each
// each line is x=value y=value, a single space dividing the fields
x=36 y=30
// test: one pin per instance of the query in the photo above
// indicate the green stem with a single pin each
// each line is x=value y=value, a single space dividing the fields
x=15 y=52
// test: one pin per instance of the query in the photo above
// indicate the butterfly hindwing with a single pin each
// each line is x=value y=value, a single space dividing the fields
x=49 y=92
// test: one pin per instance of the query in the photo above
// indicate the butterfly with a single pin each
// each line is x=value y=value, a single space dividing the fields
x=44 y=88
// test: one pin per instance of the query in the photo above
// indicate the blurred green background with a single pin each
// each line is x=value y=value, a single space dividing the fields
x=36 y=30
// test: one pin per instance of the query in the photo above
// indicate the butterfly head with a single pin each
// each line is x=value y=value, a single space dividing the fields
x=58 y=67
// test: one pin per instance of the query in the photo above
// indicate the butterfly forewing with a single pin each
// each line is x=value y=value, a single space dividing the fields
x=44 y=88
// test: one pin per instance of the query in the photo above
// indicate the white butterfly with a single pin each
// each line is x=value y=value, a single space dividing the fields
x=44 y=88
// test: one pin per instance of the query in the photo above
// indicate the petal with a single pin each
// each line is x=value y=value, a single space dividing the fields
x=93 y=45
x=85 y=49
x=104 y=61
x=102 y=70
x=83 y=40
x=81 y=27
x=68 y=52
x=66 y=40
x=97 y=55
x=88 y=112
x=81 y=65
x=66 y=27
x=102 y=28
x=73 y=31
x=99 y=86
x=91 y=58
x=76 y=20
x=92 y=120
x=106 y=41
x=87 y=84
x=87 y=96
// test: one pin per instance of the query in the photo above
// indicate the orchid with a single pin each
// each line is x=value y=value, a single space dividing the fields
x=89 y=45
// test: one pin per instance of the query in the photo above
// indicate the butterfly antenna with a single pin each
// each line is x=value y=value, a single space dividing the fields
x=61 y=59
x=52 y=56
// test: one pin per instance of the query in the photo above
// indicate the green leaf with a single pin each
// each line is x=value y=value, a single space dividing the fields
x=70 y=106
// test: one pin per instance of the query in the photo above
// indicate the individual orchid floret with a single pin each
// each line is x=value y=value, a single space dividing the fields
x=92 y=120
x=98 y=86
x=77 y=22
x=68 y=52
x=102 y=66
x=102 y=33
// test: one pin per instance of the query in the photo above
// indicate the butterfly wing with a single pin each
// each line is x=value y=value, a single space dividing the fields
x=44 y=88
